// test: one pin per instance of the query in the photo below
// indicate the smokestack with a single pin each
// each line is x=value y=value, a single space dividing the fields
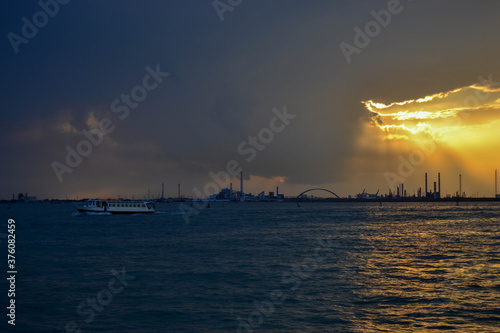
x=426 y=184
x=460 y=186
x=403 y=190
x=241 y=183
x=277 y=191
x=439 y=185
x=162 y=190
x=435 y=192
x=179 y=190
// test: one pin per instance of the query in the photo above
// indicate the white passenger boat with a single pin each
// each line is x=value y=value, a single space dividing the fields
x=116 y=206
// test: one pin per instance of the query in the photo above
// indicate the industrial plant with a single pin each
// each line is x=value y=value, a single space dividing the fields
x=430 y=192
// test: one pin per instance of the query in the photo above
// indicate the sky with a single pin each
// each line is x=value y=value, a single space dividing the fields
x=345 y=95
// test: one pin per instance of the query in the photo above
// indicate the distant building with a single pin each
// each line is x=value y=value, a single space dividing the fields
x=24 y=197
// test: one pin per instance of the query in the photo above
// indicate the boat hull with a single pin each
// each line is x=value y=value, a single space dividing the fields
x=85 y=210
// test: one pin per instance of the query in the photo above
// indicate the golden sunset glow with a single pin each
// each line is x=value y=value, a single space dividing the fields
x=471 y=111
x=461 y=125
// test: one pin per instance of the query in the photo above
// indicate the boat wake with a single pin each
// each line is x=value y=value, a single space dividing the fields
x=137 y=214
x=170 y=213
x=91 y=214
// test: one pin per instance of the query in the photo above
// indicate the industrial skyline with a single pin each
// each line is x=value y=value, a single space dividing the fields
x=422 y=192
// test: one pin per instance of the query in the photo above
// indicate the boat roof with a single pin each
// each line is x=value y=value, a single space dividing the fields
x=122 y=200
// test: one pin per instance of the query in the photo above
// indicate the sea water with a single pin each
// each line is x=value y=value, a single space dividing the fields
x=256 y=267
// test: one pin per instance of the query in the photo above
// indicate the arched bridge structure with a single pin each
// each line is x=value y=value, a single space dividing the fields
x=314 y=189
x=317 y=189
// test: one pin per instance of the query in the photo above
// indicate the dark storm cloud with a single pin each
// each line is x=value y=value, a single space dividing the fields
x=225 y=79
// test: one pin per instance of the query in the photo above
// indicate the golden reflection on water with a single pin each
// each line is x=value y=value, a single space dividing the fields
x=414 y=274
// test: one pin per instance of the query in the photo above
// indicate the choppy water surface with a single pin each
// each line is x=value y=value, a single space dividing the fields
x=259 y=267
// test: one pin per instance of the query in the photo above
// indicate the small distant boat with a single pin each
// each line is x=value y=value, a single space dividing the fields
x=116 y=206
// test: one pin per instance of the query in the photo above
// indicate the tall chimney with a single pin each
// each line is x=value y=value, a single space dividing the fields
x=179 y=190
x=241 y=183
x=162 y=190
x=496 y=182
x=460 y=186
x=435 y=193
x=277 y=191
x=426 y=184
x=439 y=185
x=403 y=190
